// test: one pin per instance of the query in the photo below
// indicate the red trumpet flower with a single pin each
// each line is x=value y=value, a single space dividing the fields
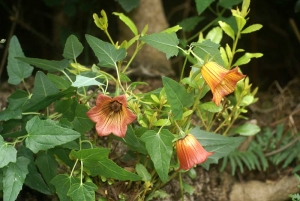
x=220 y=80
x=190 y=152
x=111 y=115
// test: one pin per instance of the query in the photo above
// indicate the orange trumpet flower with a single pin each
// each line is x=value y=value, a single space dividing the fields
x=220 y=80
x=190 y=152
x=111 y=115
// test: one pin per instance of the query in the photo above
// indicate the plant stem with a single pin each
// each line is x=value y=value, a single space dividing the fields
x=30 y=113
x=234 y=48
x=73 y=168
x=184 y=63
x=25 y=86
x=206 y=27
x=196 y=102
x=67 y=76
x=138 y=47
x=181 y=186
x=229 y=117
x=110 y=39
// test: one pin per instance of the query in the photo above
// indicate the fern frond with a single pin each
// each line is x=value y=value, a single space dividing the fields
x=296 y=169
x=253 y=159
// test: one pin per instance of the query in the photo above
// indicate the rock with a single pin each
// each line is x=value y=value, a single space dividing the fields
x=265 y=191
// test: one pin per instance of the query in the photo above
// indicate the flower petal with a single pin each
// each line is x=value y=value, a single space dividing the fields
x=220 y=80
x=190 y=152
x=111 y=115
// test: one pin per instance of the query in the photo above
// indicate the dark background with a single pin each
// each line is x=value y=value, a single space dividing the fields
x=42 y=29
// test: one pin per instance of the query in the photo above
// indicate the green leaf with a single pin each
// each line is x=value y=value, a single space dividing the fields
x=59 y=81
x=142 y=172
x=128 y=5
x=188 y=188
x=162 y=122
x=47 y=165
x=172 y=29
x=229 y=3
x=246 y=58
x=106 y=53
x=247 y=100
x=35 y=181
x=42 y=104
x=188 y=24
x=224 y=57
x=228 y=52
x=220 y=145
x=62 y=153
x=62 y=183
x=96 y=160
x=81 y=121
x=90 y=154
x=209 y=49
x=14 y=127
x=109 y=169
x=8 y=113
x=75 y=113
x=160 y=148
x=227 y=29
x=252 y=28
x=15 y=103
x=133 y=142
x=164 y=42
x=73 y=48
x=201 y=5
x=247 y=129
x=157 y=194
x=215 y=35
x=43 y=87
x=17 y=99
x=13 y=178
x=177 y=96
x=7 y=152
x=240 y=21
x=17 y=70
x=210 y=107
x=46 y=134
x=48 y=65
x=82 y=191
x=82 y=81
x=128 y=22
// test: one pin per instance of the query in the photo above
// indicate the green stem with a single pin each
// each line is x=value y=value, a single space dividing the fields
x=163 y=184
x=206 y=27
x=210 y=121
x=181 y=186
x=133 y=56
x=73 y=168
x=196 y=103
x=30 y=113
x=118 y=84
x=184 y=64
x=81 y=172
x=234 y=47
x=87 y=141
x=234 y=117
x=25 y=87
x=202 y=120
x=67 y=76
x=228 y=118
x=110 y=39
